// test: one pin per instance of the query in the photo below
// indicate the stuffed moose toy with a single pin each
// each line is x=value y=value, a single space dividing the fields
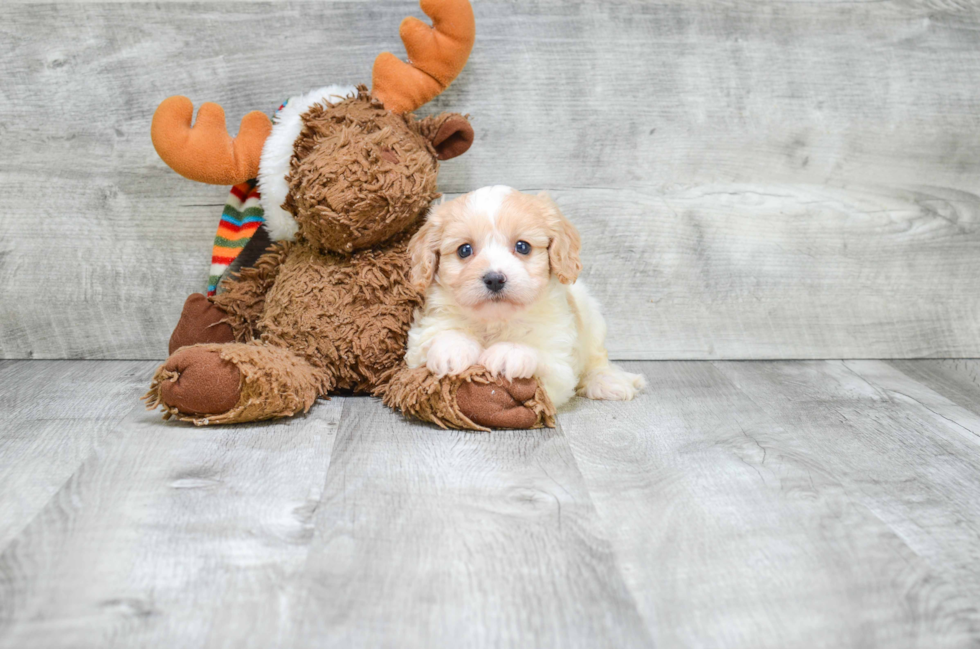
x=346 y=177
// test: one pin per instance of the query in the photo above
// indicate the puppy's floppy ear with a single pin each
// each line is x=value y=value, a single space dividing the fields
x=565 y=244
x=450 y=134
x=423 y=251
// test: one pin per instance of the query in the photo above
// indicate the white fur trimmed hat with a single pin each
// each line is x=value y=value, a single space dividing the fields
x=278 y=151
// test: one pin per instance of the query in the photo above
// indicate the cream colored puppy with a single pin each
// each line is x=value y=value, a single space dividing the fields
x=499 y=267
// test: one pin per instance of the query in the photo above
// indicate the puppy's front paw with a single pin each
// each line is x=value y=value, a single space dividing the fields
x=510 y=360
x=451 y=353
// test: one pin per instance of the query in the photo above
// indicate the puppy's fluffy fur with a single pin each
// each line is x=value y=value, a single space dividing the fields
x=542 y=323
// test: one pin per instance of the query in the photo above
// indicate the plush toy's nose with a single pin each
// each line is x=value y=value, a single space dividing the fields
x=494 y=281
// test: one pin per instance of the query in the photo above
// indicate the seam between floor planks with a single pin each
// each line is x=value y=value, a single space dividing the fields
x=463 y=538
x=736 y=439
x=55 y=415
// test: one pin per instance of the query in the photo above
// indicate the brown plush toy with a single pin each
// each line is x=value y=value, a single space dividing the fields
x=346 y=178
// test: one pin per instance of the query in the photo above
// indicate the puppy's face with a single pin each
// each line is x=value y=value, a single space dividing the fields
x=495 y=250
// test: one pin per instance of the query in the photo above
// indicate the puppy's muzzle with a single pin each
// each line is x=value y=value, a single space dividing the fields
x=494 y=281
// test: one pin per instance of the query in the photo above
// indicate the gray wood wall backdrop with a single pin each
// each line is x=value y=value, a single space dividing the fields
x=752 y=179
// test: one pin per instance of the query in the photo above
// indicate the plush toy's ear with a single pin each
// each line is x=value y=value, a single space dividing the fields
x=565 y=244
x=450 y=134
x=423 y=251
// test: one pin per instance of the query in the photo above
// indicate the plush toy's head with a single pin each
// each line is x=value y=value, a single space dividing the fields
x=343 y=168
x=362 y=173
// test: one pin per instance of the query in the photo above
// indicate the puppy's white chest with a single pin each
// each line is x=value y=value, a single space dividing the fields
x=512 y=331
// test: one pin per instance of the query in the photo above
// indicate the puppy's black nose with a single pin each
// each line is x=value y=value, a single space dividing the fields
x=495 y=281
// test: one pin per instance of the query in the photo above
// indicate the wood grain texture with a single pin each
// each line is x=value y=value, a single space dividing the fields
x=964 y=422
x=53 y=416
x=957 y=380
x=793 y=272
x=734 y=529
x=754 y=180
x=171 y=536
x=914 y=466
x=778 y=504
x=433 y=538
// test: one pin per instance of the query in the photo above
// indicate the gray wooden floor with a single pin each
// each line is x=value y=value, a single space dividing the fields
x=734 y=504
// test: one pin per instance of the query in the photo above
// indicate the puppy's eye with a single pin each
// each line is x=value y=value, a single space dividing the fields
x=464 y=251
x=522 y=247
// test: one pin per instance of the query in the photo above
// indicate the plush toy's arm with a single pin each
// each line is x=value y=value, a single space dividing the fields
x=243 y=297
x=473 y=400
x=200 y=322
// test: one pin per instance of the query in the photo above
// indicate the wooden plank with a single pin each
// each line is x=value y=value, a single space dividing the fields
x=791 y=504
x=898 y=386
x=171 y=536
x=912 y=464
x=737 y=527
x=53 y=415
x=661 y=125
x=432 y=538
x=957 y=380
x=793 y=272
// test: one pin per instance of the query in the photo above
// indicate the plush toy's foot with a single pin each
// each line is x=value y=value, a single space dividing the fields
x=200 y=322
x=196 y=381
x=473 y=400
x=233 y=383
x=500 y=404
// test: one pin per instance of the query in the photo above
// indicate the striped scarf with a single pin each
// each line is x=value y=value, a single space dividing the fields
x=242 y=216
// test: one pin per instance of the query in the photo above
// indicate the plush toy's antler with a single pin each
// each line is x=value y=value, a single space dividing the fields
x=436 y=54
x=206 y=153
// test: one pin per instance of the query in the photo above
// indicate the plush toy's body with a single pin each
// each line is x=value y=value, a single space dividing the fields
x=350 y=328
x=328 y=307
x=310 y=323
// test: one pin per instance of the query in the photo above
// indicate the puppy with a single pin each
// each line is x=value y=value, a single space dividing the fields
x=499 y=268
